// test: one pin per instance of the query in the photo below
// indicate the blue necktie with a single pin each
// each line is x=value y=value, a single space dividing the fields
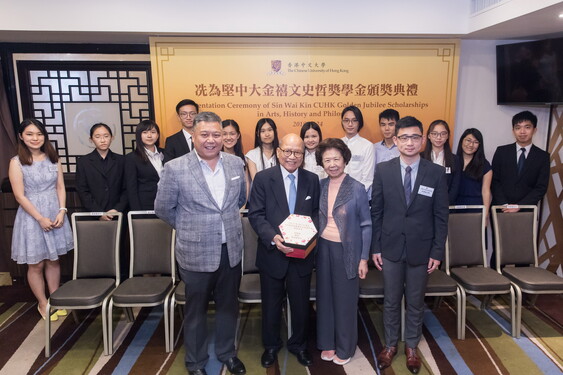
x=292 y=193
x=407 y=184
x=521 y=160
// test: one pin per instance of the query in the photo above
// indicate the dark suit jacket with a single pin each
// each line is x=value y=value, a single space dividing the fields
x=269 y=209
x=421 y=227
x=142 y=182
x=530 y=186
x=176 y=146
x=101 y=189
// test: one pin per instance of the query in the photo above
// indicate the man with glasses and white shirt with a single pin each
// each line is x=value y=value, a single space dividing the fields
x=409 y=214
x=181 y=143
x=362 y=164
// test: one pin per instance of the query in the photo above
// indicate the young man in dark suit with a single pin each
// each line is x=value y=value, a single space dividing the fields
x=520 y=169
x=410 y=219
x=181 y=143
x=277 y=192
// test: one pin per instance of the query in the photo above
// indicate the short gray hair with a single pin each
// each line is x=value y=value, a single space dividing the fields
x=206 y=117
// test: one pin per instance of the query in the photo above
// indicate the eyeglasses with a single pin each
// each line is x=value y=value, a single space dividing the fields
x=350 y=121
x=414 y=138
x=441 y=134
x=288 y=153
x=187 y=114
x=470 y=142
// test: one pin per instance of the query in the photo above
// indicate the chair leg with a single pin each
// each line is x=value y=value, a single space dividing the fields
x=289 y=330
x=74 y=316
x=463 y=313
x=516 y=293
x=130 y=314
x=458 y=293
x=403 y=313
x=166 y=325
x=106 y=326
x=48 y=332
x=171 y=323
x=110 y=326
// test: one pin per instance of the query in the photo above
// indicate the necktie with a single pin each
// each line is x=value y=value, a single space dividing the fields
x=292 y=193
x=407 y=184
x=191 y=144
x=521 y=160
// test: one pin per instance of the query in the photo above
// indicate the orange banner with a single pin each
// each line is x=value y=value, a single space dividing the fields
x=298 y=80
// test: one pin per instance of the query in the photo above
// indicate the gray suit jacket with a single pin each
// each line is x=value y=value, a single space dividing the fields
x=185 y=202
x=352 y=217
x=419 y=228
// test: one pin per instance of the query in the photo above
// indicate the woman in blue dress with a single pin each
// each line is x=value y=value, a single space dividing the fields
x=475 y=183
x=41 y=230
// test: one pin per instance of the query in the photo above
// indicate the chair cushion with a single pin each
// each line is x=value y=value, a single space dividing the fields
x=372 y=285
x=533 y=278
x=82 y=292
x=250 y=287
x=139 y=290
x=480 y=279
x=440 y=282
x=180 y=293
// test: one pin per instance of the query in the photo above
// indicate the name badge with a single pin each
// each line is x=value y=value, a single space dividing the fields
x=425 y=190
x=53 y=168
x=448 y=170
x=357 y=157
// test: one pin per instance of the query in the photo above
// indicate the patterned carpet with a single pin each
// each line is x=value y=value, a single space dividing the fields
x=77 y=347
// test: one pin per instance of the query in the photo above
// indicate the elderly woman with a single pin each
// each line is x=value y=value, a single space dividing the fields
x=342 y=255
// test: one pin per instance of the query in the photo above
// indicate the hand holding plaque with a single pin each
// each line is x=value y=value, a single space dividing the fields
x=299 y=233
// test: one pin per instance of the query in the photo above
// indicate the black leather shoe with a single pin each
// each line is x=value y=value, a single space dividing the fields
x=304 y=358
x=235 y=366
x=269 y=357
x=199 y=371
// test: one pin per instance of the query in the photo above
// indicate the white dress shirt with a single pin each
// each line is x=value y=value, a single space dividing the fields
x=362 y=164
x=216 y=182
x=156 y=159
x=188 y=139
x=526 y=153
x=310 y=164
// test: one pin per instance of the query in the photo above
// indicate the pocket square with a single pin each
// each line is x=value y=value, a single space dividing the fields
x=235 y=178
x=308 y=197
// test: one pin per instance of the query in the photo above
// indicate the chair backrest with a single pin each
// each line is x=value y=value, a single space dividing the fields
x=515 y=235
x=465 y=245
x=152 y=244
x=250 y=247
x=96 y=245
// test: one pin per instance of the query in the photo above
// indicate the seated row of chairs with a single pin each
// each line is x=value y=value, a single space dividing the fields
x=152 y=269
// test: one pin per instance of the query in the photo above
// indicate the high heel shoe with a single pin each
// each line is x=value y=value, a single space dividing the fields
x=53 y=317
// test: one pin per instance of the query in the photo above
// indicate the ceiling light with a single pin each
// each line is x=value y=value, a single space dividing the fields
x=560 y=15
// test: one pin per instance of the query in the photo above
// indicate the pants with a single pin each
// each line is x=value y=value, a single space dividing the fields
x=223 y=285
x=401 y=278
x=337 y=301
x=273 y=292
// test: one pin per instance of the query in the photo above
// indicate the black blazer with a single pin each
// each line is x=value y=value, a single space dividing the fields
x=99 y=190
x=142 y=182
x=421 y=227
x=530 y=186
x=269 y=209
x=176 y=146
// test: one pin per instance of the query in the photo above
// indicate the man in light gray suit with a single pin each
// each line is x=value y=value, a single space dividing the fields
x=200 y=194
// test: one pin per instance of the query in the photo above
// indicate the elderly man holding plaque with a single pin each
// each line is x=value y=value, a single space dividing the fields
x=342 y=254
x=200 y=194
x=278 y=192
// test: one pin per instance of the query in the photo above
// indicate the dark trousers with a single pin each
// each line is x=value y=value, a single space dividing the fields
x=223 y=286
x=273 y=292
x=337 y=301
x=401 y=278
